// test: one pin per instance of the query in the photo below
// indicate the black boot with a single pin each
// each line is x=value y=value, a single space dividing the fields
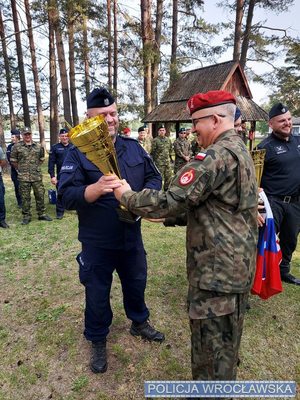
x=98 y=360
x=146 y=331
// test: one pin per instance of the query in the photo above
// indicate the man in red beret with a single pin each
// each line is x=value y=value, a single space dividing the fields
x=216 y=196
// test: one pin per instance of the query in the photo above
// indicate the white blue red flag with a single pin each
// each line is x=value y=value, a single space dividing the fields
x=267 y=281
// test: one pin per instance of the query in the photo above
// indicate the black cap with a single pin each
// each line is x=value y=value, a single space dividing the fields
x=237 y=114
x=63 y=130
x=141 y=129
x=277 y=109
x=15 y=132
x=182 y=130
x=99 y=97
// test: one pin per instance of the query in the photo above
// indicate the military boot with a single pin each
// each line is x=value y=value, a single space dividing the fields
x=98 y=362
x=146 y=331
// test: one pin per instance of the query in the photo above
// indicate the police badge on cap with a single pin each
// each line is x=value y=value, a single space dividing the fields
x=99 y=97
x=278 y=109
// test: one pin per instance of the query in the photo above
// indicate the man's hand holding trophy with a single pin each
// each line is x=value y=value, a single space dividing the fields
x=93 y=139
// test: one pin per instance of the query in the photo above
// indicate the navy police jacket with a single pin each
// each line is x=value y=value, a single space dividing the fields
x=57 y=155
x=99 y=224
x=281 y=174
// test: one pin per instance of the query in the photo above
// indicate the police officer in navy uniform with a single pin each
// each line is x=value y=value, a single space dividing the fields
x=57 y=155
x=108 y=243
x=281 y=183
x=15 y=138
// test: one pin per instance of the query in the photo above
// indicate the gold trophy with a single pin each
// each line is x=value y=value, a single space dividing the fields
x=258 y=157
x=92 y=138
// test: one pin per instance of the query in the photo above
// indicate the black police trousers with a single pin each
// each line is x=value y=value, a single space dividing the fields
x=96 y=267
x=287 y=223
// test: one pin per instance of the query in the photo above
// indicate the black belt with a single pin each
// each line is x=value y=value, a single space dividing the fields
x=286 y=199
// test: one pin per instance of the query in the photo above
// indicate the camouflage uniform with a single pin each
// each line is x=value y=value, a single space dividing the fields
x=161 y=153
x=182 y=148
x=146 y=144
x=29 y=159
x=217 y=192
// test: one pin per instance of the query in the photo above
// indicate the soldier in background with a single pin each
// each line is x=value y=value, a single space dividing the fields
x=57 y=155
x=3 y=223
x=143 y=140
x=217 y=195
x=182 y=149
x=240 y=125
x=161 y=153
x=27 y=157
x=15 y=138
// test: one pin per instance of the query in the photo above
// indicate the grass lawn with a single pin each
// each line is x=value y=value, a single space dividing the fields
x=43 y=352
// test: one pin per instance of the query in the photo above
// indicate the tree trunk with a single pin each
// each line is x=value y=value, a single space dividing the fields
x=115 y=78
x=62 y=67
x=109 y=46
x=173 y=65
x=7 y=75
x=238 y=29
x=72 y=67
x=52 y=75
x=247 y=33
x=156 y=49
x=36 y=79
x=2 y=137
x=87 y=80
x=26 y=114
x=147 y=50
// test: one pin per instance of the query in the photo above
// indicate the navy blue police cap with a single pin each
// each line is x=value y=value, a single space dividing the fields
x=99 y=97
x=63 y=131
x=141 y=129
x=277 y=109
x=15 y=132
x=237 y=114
x=181 y=130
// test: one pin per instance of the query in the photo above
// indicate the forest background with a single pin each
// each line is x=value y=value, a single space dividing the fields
x=53 y=52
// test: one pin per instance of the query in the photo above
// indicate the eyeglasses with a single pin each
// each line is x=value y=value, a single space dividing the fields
x=196 y=120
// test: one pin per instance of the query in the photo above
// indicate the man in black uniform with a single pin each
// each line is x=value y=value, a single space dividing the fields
x=281 y=183
x=15 y=138
x=57 y=155
x=109 y=243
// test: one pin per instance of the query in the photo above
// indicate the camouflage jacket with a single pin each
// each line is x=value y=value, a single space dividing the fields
x=28 y=159
x=146 y=144
x=218 y=192
x=182 y=147
x=161 y=151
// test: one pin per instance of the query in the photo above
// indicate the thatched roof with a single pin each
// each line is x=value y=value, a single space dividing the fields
x=225 y=76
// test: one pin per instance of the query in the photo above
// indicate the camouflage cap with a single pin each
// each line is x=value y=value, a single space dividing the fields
x=25 y=130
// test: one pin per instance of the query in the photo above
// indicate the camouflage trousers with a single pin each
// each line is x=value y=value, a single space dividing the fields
x=39 y=193
x=216 y=322
x=179 y=163
x=166 y=173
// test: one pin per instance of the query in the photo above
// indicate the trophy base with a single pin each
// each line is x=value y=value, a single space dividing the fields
x=127 y=216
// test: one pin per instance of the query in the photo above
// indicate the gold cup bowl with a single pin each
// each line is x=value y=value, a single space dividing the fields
x=93 y=139
x=258 y=157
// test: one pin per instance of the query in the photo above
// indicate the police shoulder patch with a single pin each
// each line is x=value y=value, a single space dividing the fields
x=200 y=156
x=187 y=177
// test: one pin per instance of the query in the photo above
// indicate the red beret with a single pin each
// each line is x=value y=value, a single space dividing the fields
x=126 y=130
x=209 y=99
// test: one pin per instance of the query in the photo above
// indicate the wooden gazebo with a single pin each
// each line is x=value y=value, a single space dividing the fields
x=227 y=76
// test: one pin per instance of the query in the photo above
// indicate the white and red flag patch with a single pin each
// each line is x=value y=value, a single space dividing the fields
x=200 y=156
x=187 y=177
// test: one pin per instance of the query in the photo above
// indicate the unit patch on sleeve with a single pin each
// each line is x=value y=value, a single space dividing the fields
x=187 y=177
x=200 y=156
